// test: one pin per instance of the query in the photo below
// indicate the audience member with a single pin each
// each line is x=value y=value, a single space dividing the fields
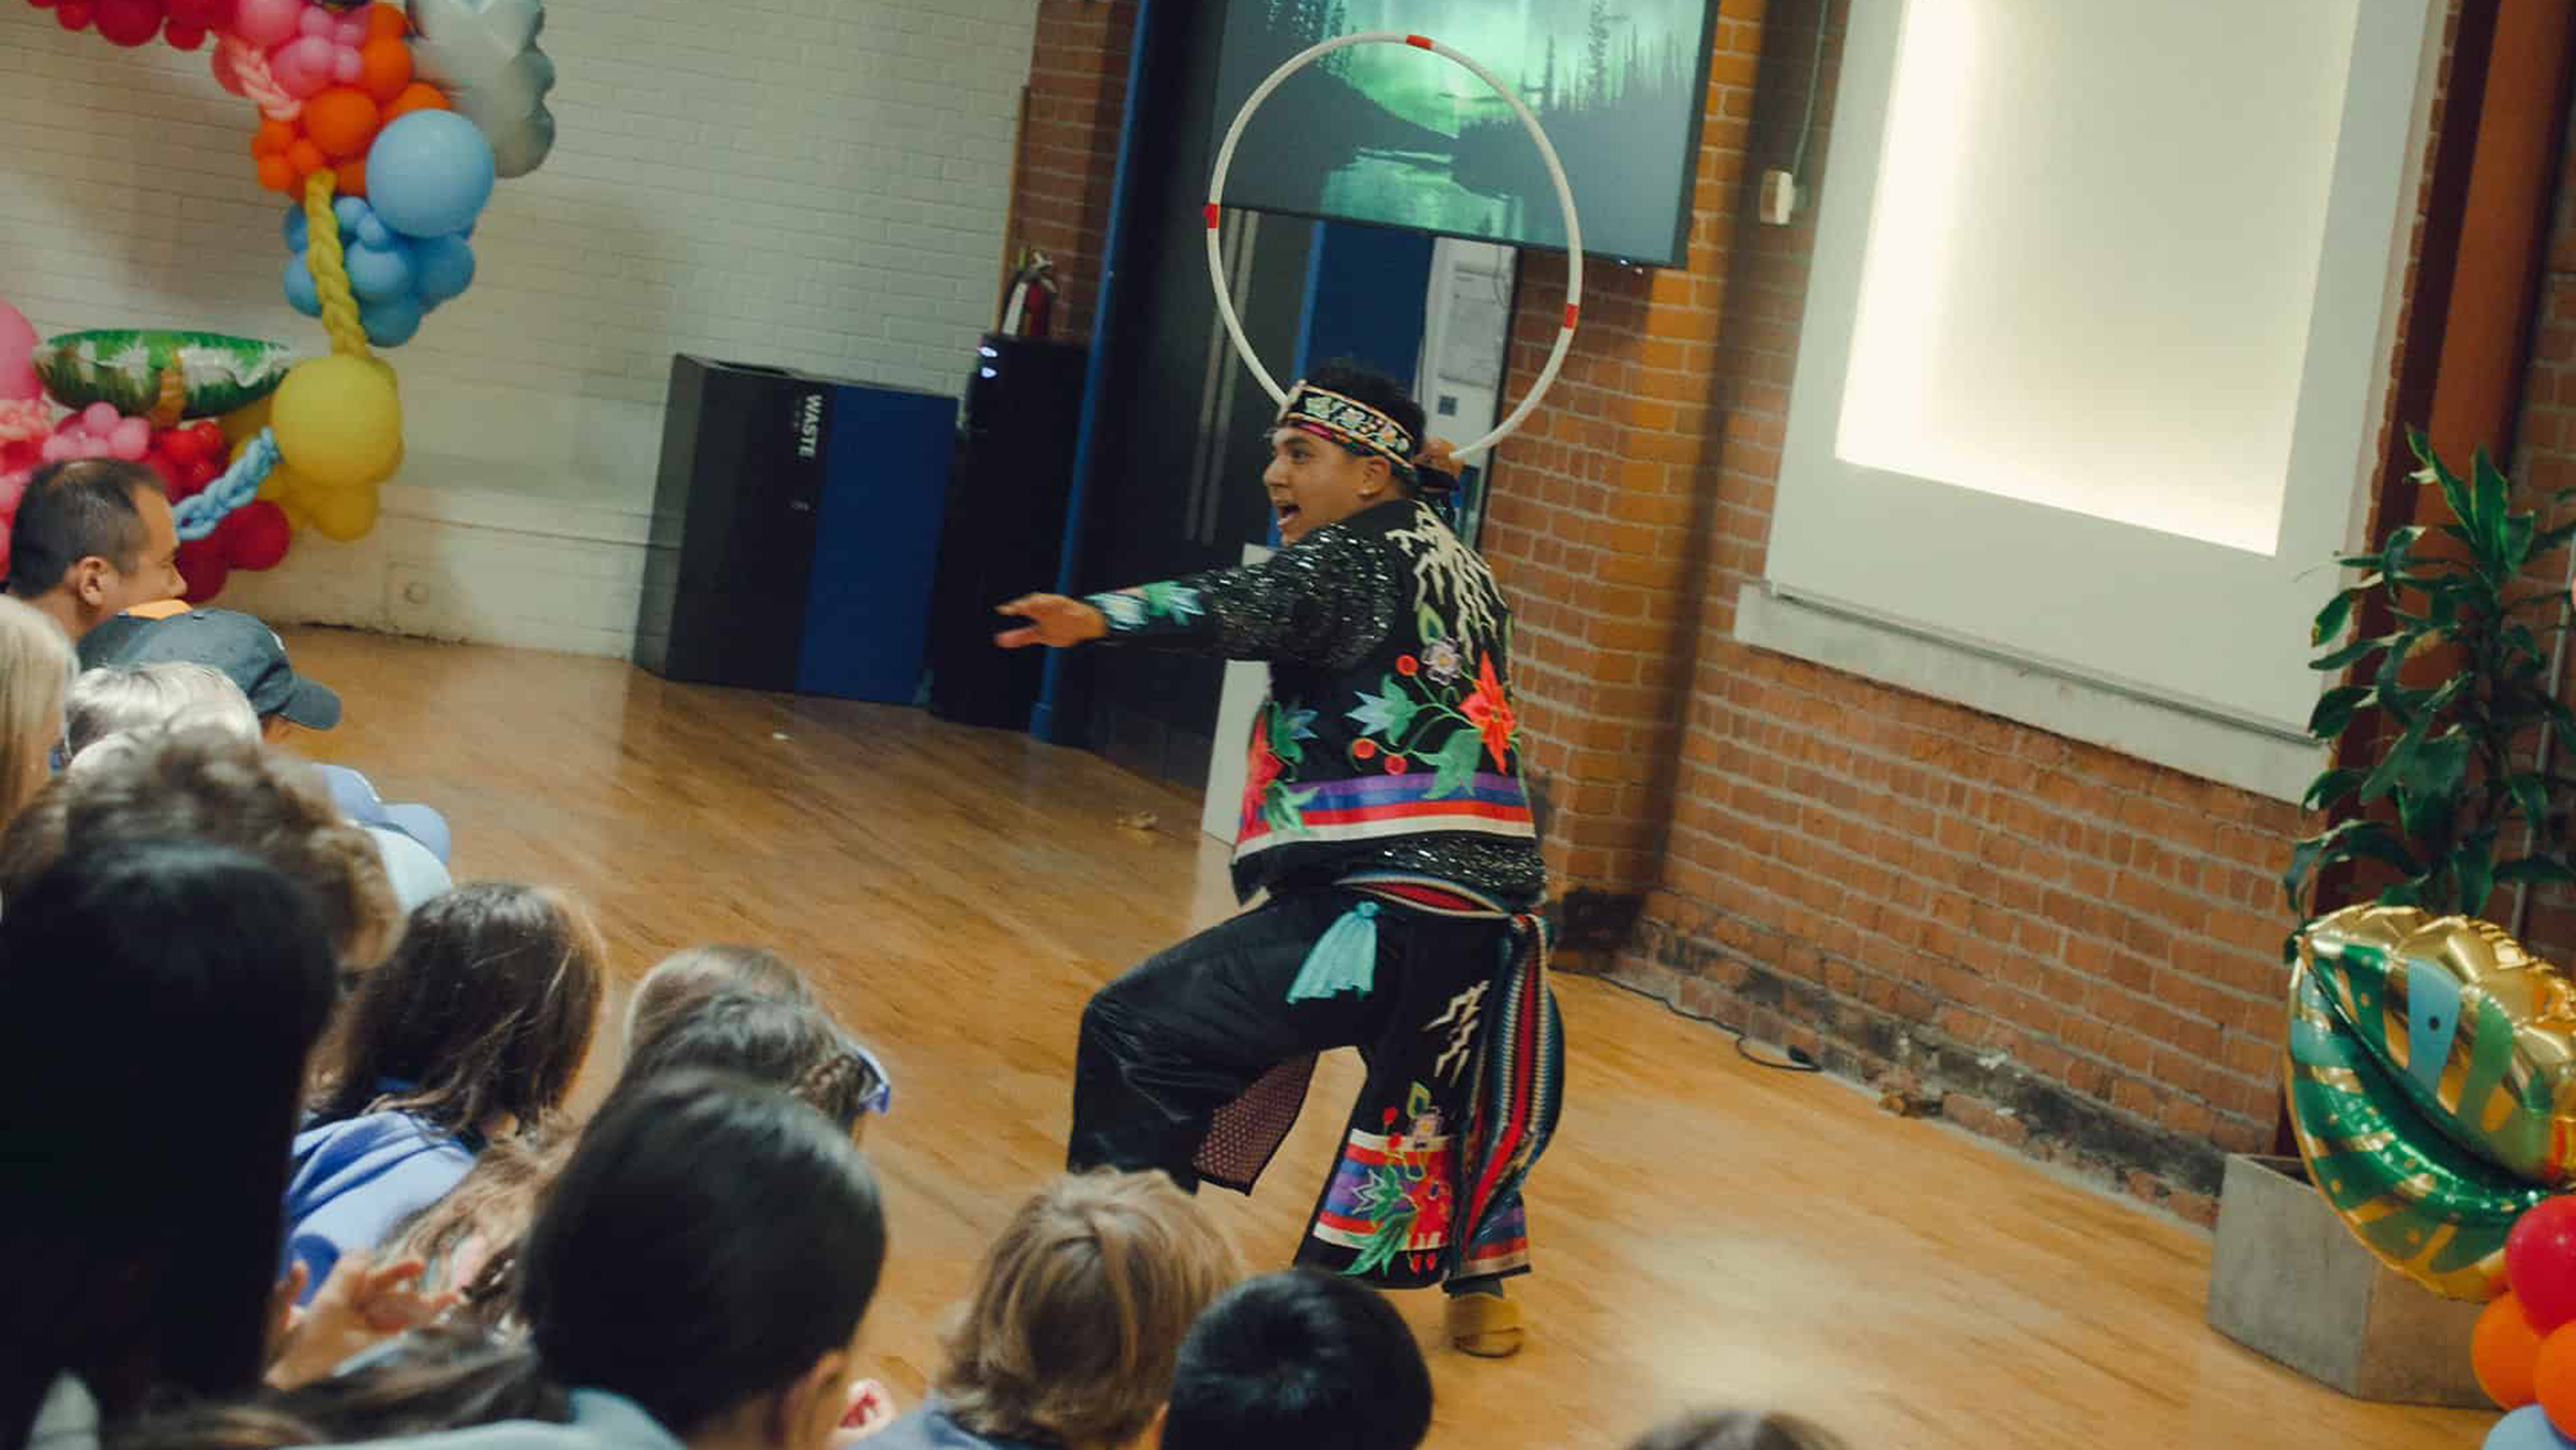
x=140 y=699
x=93 y=538
x=35 y=670
x=1078 y=1310
x=687 y=977
x=161 y=999
x=473 y=1030
x=201 y=784
x=1296 y=1360
x=1736 y=1430
x=250 y=654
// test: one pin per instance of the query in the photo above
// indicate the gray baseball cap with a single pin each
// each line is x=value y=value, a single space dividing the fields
x=238 y=644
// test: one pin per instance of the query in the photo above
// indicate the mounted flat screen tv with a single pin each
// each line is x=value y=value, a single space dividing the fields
x=1393 y=136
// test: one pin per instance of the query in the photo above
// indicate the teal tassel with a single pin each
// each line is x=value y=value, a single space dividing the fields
x=1344 y=961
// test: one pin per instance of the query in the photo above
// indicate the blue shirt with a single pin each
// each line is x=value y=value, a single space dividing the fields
x=355 y=1181
x=932 y=1428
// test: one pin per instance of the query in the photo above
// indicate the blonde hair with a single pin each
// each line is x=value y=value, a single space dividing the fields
x=1737 y=1430
x=36 y=668
x=1080 y=1309
x=201 y=784
x=684 y=980
x=142 y=698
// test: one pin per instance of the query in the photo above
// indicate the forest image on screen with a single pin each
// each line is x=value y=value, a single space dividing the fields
x=1402 y=137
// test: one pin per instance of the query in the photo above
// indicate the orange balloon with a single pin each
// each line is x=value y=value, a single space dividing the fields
x=353 y=177
x=273 y=138
x=2553 y=1378
x=343 y=121
x=2504 y=1352
x=385 y=68
x=276 y=174
x=418 y=96
x=386 y=22
x=305 y=157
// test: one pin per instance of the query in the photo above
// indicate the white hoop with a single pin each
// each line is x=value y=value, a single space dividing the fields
x=1547 y=153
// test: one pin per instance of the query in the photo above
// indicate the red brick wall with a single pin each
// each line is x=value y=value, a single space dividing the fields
x=1077 y=98
x=2080 y=949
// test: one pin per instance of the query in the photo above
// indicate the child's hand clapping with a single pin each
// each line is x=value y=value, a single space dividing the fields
x=360 y=1305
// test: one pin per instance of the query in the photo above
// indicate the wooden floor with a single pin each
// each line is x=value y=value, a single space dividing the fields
x=1707 y=1232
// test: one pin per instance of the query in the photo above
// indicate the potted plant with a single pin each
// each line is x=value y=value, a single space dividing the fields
x=2443 y=798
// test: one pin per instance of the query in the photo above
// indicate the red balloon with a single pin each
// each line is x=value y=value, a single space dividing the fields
x=200 y=473
x=256 y=535
x=2540 y=1263
x=201 y=563
x=184 y=37
x=74 y=14
x=129 y=22
x=203 y=14
x=174 y=481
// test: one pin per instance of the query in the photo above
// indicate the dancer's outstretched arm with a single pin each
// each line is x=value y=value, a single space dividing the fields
x=1318 y=601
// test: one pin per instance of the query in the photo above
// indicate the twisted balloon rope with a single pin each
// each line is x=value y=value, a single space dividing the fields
x=322 y=257
x=250 y=67
x=200 y=512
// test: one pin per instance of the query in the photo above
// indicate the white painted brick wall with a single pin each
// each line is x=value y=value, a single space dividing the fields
x=817 y=184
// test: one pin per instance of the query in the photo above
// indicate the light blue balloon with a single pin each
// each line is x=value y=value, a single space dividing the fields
x=381 y=273
x=372 y=232
x=301 y=294
x=392 y=322
x=351 y=211
x=430 y=173
x=442 y=268
x=296 y=234
x=2527 y=1429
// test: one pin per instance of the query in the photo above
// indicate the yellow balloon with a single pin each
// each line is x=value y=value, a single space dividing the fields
x=343 y=514
x=339 y=422
x=243 y=424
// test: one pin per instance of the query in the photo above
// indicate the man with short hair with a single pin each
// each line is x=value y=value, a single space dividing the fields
x=1297 y=1359
x=94 y=537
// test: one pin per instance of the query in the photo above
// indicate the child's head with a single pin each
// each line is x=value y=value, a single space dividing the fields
x=1735 y=1430
x=118 y=698
x=198 y=784
x=1079 y=1309
x=155 y=1013
x=1297 y=1359
x=685 y=978
x=781 y=1044
x=484 y=1012
x=35 y=670
x=708 y=1253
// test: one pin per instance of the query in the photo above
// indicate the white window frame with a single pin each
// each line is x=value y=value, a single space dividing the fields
x=2180 y=652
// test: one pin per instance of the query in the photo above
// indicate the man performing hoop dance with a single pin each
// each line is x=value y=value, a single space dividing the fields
x=1384 y=814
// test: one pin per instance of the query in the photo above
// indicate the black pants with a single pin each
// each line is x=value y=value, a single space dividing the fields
x=1167 y=1046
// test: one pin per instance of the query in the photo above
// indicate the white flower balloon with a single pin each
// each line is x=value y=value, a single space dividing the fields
x=484 y=54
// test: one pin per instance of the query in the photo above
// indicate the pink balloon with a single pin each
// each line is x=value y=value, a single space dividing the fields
x=131 y=440
x=267 y=22
x=18 y=381
x=351 y=30
x=314 y=21
x=303 y=66
x=225 y=76
x=347 y=65
x=100 y=418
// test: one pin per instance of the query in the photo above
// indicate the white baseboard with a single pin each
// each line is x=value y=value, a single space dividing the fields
x=548 y=562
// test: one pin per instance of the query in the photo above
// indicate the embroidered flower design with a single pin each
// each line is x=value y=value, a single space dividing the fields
x=1428 y=1197
x=1395 y=765
x=1490 y=711
x=1261 y=771
x=1363 y=748
x=1443 y=661
x=1408 y=666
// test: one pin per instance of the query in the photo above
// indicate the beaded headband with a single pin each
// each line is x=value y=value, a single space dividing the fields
x=1349 y=422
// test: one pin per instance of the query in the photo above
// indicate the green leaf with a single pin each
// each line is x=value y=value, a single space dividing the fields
x=2353 y=653
x=1386 y=716
x=2536 y=869
x=2332 y=619
x=2516 y=544
x=2330 y=787
x=2404 y=893
x=1429 y=624
x=2531 y=793
x=2474 y=864
x=2393 y=556
x=2335 y=709
x=2428 y=784
x=1457 y=764
x=2344 y=842
x=2491 y=495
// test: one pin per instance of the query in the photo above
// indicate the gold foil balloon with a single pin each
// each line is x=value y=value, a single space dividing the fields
x=2431 y=1072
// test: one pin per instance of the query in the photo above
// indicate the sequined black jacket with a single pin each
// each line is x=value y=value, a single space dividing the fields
x=1390 y=738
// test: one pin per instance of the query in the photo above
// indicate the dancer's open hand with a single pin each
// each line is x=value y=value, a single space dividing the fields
x=1053 y=621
